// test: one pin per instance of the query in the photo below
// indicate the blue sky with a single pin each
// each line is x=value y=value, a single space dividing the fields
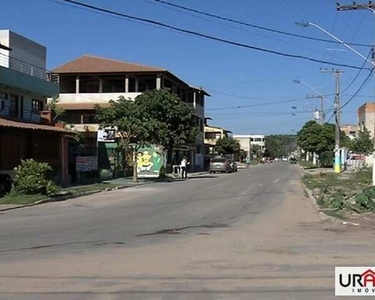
x=233 y=76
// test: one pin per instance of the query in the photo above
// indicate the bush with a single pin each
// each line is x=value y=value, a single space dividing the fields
x=30 y=179
x=162 y=173
x=326 y=159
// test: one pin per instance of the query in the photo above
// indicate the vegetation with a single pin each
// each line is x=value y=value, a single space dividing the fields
x=174 y=122
x=227 y=145
x=30 y=179
x=362 y=144
x=155 y=117
x=52 y=106
x=350 y=192
x=319 y=138
x=280 y=145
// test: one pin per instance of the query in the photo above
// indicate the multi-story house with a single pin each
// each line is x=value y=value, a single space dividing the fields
x=211 y=135
x=25 y=130
x=90 y=80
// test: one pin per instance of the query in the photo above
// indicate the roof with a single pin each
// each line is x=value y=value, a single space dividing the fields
x=32 y=126
x=94 y=64
x=81 y=106
x=200 y=89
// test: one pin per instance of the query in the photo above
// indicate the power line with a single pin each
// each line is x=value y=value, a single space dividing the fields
x=355 y=94
x=253 y=25
x=202 y=35
x=257 y=104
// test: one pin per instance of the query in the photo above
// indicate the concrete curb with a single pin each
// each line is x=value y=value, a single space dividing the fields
x=322 y=216
x=68 y=197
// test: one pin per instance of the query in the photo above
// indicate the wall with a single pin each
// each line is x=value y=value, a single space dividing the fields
x=28 y=114
x=93 y=97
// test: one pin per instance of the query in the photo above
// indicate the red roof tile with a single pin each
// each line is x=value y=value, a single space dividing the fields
x=32 y=126
x=94 y=64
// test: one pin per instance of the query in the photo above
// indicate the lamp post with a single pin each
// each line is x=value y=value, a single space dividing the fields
x=337 y=110
x=320 y=96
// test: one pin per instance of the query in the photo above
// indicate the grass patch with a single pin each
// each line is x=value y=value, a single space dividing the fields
x=21 y=199
x=345 y=191
x=89 y=188
x=14 y=198
x=306 y=164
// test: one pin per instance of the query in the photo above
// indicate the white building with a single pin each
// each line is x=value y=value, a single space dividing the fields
x=247 y=141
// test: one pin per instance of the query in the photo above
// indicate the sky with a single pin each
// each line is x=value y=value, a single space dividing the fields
x=249 y=89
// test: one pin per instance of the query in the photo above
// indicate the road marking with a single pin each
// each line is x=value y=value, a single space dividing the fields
x=276 y=180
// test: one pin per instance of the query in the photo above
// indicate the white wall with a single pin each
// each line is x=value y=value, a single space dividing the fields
x=93 y=97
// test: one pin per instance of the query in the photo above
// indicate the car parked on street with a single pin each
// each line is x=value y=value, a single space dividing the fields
x=220 y=164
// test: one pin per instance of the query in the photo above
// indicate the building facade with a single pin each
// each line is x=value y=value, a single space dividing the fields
x=211 y=135
x=366 y=117
x=90 y=80
x=26 y=131
x=247 y=141
x=350 y=130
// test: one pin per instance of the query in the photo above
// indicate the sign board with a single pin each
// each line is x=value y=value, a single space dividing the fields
x=106 y=135
x=149 y=161
x=86 y=163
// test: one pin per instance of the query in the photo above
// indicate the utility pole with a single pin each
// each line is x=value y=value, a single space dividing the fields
x=367 y=6
x=337 y=74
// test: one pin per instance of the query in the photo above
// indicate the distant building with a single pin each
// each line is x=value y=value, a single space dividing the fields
x=350 y=130
x=247 y=141
x=366 y=117
x=211 y=135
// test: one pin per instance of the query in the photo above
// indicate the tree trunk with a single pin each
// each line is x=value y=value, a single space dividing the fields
x=135 y=173
x=169 y=157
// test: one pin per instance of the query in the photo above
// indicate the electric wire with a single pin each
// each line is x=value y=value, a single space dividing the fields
x=203 y=35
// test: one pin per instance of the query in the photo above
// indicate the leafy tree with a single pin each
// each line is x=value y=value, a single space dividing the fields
x=279 y=145
x=174 y=119
x=255 y=150
x=319 y=138
x=130 y=122
x=362 y=144
x=227 y=145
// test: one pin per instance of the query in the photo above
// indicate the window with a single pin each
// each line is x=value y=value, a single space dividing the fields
x=37 y=106
x=3 y=98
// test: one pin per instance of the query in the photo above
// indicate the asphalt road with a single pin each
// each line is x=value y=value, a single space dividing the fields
x=247 y=235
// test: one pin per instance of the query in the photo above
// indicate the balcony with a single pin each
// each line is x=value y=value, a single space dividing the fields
x=93 y=97
x=22 y=75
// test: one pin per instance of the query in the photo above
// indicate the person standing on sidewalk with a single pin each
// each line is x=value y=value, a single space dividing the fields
x=184 y=164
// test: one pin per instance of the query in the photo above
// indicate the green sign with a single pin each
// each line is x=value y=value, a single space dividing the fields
x=149 y=161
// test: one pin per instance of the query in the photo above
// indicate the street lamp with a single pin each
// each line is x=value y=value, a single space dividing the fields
x=320 y=95
x=337 y=154
x=307 y=24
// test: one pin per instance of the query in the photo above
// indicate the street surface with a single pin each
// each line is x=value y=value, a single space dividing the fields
x=246 y=235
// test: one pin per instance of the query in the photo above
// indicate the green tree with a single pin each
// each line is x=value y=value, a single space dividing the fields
x=319 y=138
x=174 y=119
x=255 y=150
x=362 y=144
x=227 y=145
x=130 y=122
x=280 y=145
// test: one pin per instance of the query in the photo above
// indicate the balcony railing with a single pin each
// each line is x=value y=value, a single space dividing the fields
x=25 y=67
